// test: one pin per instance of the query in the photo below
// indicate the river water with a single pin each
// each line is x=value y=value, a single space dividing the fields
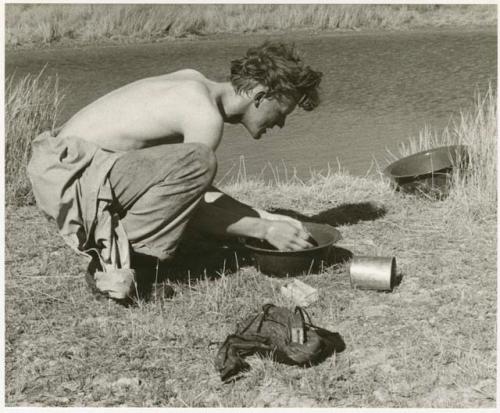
x=378 y=90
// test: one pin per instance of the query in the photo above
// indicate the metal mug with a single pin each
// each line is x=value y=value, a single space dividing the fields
x=373 y=273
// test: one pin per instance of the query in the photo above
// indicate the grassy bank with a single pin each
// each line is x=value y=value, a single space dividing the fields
x=31 y=106
x=429 y=343
x=49 y=24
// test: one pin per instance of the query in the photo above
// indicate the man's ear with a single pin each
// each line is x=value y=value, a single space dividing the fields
x=258 y=98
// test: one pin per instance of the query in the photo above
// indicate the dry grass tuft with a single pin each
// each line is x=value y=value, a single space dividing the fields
x=474 y=189
x=31 y=106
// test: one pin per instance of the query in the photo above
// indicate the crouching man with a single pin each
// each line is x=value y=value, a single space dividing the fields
x=128 y=172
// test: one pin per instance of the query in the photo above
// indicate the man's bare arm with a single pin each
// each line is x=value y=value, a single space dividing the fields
x=222 y=215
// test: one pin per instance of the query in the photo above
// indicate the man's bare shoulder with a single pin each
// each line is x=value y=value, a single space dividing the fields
x=187 y=80
x=184 y=86
x=185 y=74
x=196 y=93
x=191 y=101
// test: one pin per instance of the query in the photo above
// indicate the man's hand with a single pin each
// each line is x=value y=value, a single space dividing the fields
x=285 y=233
x=287 y=236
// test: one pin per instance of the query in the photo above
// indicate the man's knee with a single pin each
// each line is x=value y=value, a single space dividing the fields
x=208 y=162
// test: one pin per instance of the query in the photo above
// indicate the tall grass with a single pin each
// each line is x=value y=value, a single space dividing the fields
x=49 y=23
x=476 y=127
x=31 y=106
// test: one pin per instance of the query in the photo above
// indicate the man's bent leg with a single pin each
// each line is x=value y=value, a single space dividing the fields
x=157 y=189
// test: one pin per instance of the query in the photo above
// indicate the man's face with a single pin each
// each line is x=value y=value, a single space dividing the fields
x=266 y=113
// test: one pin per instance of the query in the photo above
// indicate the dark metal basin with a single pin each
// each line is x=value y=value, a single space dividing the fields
x=427 y=171
x=271 y=261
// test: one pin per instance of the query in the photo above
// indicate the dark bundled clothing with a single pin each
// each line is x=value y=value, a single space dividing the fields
x=289 y=336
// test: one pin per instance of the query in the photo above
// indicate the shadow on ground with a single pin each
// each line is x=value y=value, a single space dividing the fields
x=398 y=279
x=203 y=257
x=194 y=264
x=209 y=258
x=346 y=214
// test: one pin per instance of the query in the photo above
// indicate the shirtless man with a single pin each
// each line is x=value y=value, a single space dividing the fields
x=127 y=173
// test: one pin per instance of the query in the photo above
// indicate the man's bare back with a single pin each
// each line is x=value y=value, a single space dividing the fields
x=177 y=107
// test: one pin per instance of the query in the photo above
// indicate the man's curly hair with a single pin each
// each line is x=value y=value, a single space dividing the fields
x=279 y=68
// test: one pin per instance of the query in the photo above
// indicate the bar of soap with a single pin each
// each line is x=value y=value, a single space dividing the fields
x=300 y=293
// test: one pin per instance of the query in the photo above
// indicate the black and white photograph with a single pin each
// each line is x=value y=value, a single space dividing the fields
x=250 y=205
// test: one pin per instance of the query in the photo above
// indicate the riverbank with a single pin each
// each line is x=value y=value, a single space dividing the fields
x=50 y=25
